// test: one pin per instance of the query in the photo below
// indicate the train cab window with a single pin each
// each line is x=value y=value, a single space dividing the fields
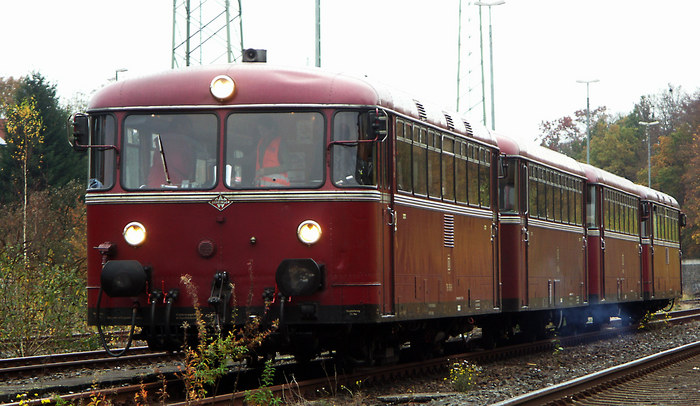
x=169 y=151
x=281 y=149
x=354 y=163
x=507 y=188
x=102 y=161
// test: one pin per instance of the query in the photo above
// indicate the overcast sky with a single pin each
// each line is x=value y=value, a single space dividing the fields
x=541 y=48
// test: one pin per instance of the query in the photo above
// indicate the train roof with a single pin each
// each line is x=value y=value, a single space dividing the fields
x=263 y=84
x=658 y=197
x=605 y=178
x=538 y=154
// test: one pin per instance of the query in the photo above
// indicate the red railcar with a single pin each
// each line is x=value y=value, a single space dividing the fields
x=358 y=233
x=542 y=237
x=614 y=243
x=661 y=220
x=358 y=217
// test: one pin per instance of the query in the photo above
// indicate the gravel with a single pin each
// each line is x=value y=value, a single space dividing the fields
x=505 y=379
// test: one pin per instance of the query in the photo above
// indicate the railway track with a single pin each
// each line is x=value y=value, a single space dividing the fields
x=49 y=364
x=666 y=378
x=329 y=383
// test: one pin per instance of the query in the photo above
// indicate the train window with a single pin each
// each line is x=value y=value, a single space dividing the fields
x=541 y=195
x=354 y=164
x=566 y=198
x=606 y=209
x=532 y=192
x=550 y=195
x=473 y=175
x=434 y=186
x=461 y=174
x=403 y=156
x=169 y=151
x=578 y=202
x=286 y=149
x=102 y=164
x=420 y=174
x=591 y=208
x=507 y=188
x=557 y=199
x=485 y=178
x=448 y=169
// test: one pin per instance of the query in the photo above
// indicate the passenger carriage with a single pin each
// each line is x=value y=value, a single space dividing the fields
x=543 y=259
x=614 y=243
x=661 y=221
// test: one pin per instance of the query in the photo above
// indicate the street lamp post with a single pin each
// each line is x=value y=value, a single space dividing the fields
x=646 y=125
x=489 y=4
x=588 y=117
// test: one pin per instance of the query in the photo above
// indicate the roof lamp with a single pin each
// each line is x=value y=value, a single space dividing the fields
x=222 y=87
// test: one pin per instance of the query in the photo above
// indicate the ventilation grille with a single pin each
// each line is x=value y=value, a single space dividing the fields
x=468 y=127
x=450 y=123
x=449 y=230
x=421 y=110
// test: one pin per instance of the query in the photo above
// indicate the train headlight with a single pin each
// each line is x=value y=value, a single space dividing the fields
x=222 y=87
x=309 y=232
x=134 y=233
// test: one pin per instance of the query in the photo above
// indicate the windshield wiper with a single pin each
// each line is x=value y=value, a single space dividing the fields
x=162 y=158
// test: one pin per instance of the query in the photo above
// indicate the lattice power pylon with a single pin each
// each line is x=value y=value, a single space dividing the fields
x=206 y=32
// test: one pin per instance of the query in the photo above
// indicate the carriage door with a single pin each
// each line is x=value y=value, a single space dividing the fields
x=525 y=193
x=384 y=163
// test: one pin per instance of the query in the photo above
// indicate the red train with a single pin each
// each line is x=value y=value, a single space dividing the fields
x=363 y=218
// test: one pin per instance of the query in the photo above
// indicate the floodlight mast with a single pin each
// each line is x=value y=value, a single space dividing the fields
x=489 y=4
x=646 y=125
x=588 y=117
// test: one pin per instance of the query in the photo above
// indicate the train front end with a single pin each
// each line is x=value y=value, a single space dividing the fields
x=243 y=192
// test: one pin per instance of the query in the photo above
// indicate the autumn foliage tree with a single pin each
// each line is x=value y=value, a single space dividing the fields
x=24 y=133
x=42 y=229
x=619 y=145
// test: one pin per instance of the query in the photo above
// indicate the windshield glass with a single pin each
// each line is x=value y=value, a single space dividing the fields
x=353 y=162
x=169 y=151
x=102 y=160
x=274 y=150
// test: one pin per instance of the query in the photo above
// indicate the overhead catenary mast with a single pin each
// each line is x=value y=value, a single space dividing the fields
x=206 y=32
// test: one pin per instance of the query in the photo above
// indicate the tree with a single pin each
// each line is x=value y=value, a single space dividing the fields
x=690 y=235
x=616 y=149
x=24 y=133
x=619 y=145
x=568 y=134
x=8 y=87
x=58 y=164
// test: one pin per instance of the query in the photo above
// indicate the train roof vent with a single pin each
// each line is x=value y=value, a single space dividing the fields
x=468 y=127
x=421 y=110
x=450 y=123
